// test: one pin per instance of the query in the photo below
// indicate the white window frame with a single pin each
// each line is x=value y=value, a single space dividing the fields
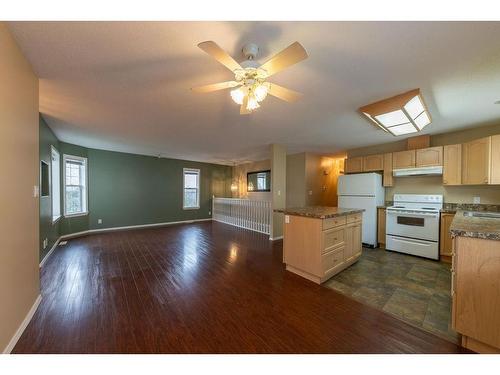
x=191 y=170
x=55 y=219
x=84 y=160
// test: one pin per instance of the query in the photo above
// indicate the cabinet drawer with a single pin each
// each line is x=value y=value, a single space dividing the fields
x=333 y=222
x=332 y=259
x=354 y=218
x=333 y=238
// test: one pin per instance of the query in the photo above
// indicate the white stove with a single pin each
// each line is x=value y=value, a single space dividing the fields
x=412 y=225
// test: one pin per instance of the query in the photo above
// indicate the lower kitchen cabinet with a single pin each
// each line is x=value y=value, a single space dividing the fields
x=476 y=293
x=317 y=249
x=445 y=240
x=381 y=226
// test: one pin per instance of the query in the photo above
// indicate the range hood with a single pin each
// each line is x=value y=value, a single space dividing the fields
x=420 y=171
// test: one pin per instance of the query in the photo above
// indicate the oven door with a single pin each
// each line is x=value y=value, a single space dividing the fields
x=421 y=225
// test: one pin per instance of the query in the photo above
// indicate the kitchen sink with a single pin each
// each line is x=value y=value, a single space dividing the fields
x=489 y=215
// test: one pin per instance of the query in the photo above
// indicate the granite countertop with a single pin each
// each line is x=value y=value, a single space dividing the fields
x=320 y=212
x=477 y=227
x=451 y=208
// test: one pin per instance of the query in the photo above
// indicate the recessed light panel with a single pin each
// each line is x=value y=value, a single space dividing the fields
x=402 y=114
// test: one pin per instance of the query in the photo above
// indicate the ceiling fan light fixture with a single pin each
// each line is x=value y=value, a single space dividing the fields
x=399 y=115
x=237 y=95
x=252 y=103
x=260 y=91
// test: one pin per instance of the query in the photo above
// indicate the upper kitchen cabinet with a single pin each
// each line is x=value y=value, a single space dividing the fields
x=373 y=163
x=452 y=164
x=429 y=157
x=354 y=165
x=403 y=159
x=476 y=162
x=388 y=178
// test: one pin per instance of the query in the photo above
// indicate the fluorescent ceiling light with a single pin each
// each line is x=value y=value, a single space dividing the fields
x=402 y=114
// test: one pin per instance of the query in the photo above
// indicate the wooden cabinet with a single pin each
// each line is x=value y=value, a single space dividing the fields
x=373 y=163
x=495 y=160
x=353 y=246
x=429 y=157
x=388 y=178
x=403 y=159
x=476 y=293
x=445 y=240
x=476 y=162
x=317 y=249
x=354 y=165
x=452 y=164
x=381 y=226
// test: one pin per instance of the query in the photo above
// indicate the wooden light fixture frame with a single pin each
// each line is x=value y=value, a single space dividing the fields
x=391 y=104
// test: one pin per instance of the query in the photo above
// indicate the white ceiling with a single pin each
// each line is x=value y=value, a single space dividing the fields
x=125 y=86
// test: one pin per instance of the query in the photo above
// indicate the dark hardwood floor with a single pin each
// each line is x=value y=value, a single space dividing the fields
x=200 y=288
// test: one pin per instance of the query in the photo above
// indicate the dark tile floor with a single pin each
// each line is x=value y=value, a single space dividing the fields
x=413 y=289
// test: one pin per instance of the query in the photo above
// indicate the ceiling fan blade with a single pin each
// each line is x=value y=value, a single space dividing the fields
x=215 y=86
x=283 y=93
x=243 y=108
x=292 y=54
x=220 y=55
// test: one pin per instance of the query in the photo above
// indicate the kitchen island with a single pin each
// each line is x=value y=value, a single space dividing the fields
x=475 y=281
x=319 y=242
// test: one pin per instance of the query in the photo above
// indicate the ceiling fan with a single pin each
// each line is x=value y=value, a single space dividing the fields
x=250 y=86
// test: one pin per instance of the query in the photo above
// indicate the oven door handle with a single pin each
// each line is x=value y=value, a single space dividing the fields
x=417 y=214
x=411 y=240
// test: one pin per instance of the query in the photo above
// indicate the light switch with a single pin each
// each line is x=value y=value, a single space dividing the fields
x=36 y=191
x=310 y=192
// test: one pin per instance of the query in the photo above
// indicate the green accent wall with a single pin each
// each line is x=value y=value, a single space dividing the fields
x=77 y=223
x=128 y=189
x=48 y=230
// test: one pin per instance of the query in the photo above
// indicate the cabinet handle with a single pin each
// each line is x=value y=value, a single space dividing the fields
x=445 y=182
x=485 y=180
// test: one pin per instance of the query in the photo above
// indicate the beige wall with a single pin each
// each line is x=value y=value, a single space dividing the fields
x=295 y=180
x=433 y=185
x=278 y=187
x=240 y=179
x=19 y=280
x=307 y=182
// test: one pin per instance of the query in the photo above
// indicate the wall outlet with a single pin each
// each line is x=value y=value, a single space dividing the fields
x=210 y=212
x=476 y=200
x=99 y=221
x=45 y=243
x=310 y=192
x=36 y=191
x=279 y=192
x=287 y=219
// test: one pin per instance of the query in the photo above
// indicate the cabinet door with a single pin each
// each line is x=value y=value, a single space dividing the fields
x=357 y=246
x=429 y=157
x=373 y=163
x=495 y=160
x=388 y=169
x=476 y=162
x=452 y=165
x=403 y=159
x=445 y=241
x=381 y=226
x=354 y=165
x=348 y=249
x=476 y=305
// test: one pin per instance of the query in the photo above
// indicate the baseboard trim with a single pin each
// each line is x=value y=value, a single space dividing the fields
x=13 y=341
x=113 y=229
x=49 y=253
x=275 y=238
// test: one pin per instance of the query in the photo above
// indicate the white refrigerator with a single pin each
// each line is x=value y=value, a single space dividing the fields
x=365 y=191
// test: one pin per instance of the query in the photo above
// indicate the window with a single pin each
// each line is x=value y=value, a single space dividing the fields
x=191 y=198
x=75 y=185
x=44 y=179
x=55 y=177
